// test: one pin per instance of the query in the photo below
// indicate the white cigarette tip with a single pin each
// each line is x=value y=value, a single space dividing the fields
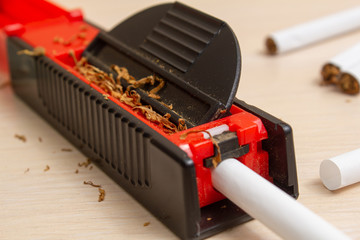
x=330 y=175
x=341 y=171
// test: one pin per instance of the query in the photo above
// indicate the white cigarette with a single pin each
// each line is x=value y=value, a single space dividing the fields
x=342 y=61
x=271 y=206
x=349 y=81
x=341 y=171
x=313 y=31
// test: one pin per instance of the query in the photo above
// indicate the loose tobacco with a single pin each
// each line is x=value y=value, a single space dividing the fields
x=113 y=87
x=85 y=164
x=38 y=51
x=91 y=184
x=20 y=137
x=100 y=189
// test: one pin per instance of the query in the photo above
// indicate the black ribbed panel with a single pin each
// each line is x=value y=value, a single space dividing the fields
x=181 y=36
x=87 y=115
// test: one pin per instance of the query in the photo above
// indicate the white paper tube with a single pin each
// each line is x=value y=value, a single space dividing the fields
x=347 y=58
x=350 y=80
x=341 y=171
x=271 y=206
x=216 y=131
x=314 y=31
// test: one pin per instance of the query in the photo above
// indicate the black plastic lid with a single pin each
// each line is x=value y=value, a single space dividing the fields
x=197 y=55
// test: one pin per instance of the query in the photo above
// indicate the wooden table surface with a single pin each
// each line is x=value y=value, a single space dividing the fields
x=55 y=204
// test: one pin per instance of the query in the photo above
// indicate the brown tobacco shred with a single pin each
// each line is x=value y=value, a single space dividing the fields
x=162 y=121
x=101 y=195
x=47 y=168
x=146 y=224
x=20 y=137
x=123 y=73
x=38 y=51
x=223 y=111
x=182 y=125
x=141 y=82
x=81 y=35
x=66 y=150
x=112 y=86
x=85 y=164
x=91 y=167
x=216 y=159
x=58 y=40
x=101 y=190
x=27 y=170
x=168 y=106
x=70 y=41
x=106 y=96
x=77 y=171
x=92 y=184
x=84 y=28
x=40 y=139
x=153 y=91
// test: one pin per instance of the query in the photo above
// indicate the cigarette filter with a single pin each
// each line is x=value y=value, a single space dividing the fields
x=341 y=171
x=314 y=31
x=137 y=100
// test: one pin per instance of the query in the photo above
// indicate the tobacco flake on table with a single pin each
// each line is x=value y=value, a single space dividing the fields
x=66 y=150
x=47 y=168
x=85 y=164
x=101 y=195
x=20 y=137
x=92 y=184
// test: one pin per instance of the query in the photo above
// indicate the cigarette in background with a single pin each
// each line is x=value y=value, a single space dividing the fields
x=345 y=60
x=271 y=206
x=341 y=171
x=313 y=31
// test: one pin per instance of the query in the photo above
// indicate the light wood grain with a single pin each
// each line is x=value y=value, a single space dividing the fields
x=56 y=205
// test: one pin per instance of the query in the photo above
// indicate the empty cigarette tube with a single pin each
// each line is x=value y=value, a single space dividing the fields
x=271 y=206
x=216 y=131
x=341 y=171
x=313 y=31
x=344 y=60
x=349 y=81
